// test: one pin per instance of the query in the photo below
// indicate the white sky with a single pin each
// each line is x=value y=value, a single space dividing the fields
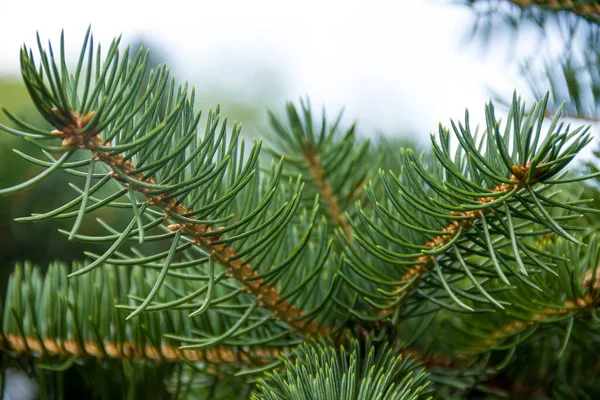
x=393 y=64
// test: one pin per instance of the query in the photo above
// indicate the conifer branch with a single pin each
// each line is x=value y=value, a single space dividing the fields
x=81 y=320
x=517 y=326
x=267 y=296
x=324 y=186
x=49 y=347
x=437 y=220
x=587 y=9
x=569 y=294
x=333 y=161
x=454 y=230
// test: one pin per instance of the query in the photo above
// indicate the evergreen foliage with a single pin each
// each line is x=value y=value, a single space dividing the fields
x=319 y=266
x=318 y=371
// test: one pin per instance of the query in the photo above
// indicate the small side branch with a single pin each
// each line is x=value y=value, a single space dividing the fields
x=325 y=191
x=50 y=347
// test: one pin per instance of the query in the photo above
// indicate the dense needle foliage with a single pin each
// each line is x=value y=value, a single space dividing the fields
x=316 y=265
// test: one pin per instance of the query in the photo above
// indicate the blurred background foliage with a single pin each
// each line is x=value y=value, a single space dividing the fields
x=21 y=241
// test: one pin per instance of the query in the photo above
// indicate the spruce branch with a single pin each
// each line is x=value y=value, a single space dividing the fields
x=324 y=186
x=568 y=302
x=53 y=317
x=570 y=351
x=554 y=323
x=333 y=162
x=202 y=189
x=31 y=329
x=456 y=228
x=51 y=348
x=268 y=297
x=434 y=224
x=587 y=9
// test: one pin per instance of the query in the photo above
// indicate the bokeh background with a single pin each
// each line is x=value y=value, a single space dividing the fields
x=393 y=65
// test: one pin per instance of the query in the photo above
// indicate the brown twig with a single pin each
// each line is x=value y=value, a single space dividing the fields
x=581 y=8
x=325 y=191
x=50 y=347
